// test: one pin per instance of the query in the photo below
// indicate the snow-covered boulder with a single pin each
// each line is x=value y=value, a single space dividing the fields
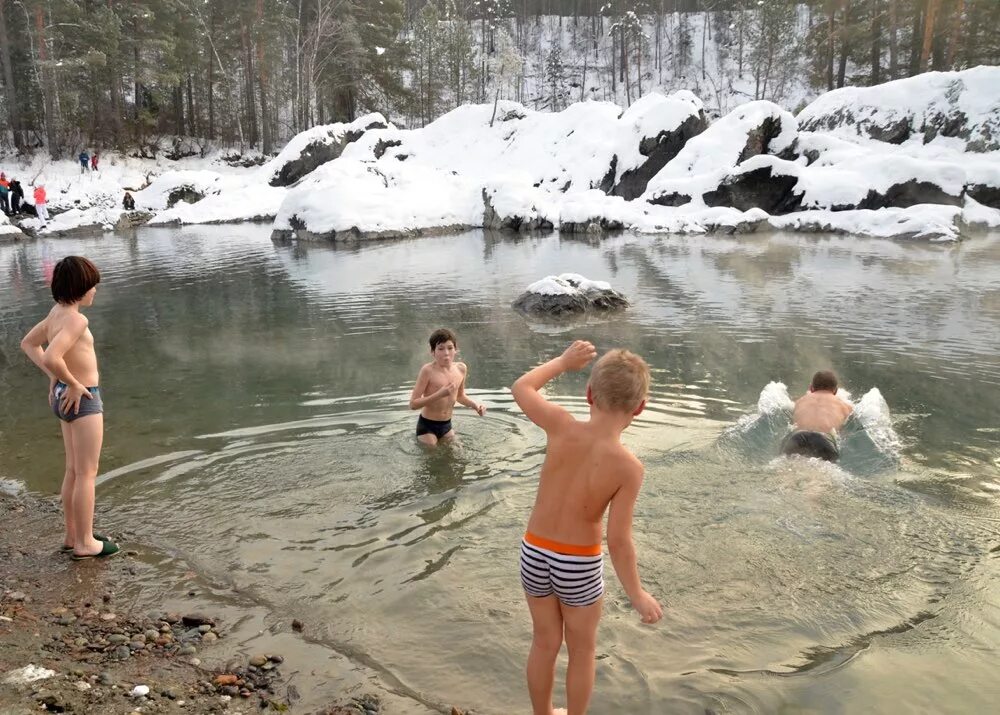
x=652 y=132
x=964 y=106
x=750 y=130
x=9 y=230
x=568 y=295
x=314 y=147
x=515 y=208
x=171 y=187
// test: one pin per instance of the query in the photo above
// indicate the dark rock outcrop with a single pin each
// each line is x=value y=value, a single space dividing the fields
x=758 y=188
x=513 y=222
x=188 y=194
x=658 y=151
x=316 y=153
x=986 y=195
x=909 y=193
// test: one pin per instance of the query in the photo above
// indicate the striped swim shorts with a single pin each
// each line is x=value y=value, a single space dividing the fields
x=575 y=574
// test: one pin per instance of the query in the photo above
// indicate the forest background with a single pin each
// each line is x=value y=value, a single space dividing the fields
x=249 y=74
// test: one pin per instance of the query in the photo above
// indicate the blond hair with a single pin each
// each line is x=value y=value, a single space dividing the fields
x=619 y=381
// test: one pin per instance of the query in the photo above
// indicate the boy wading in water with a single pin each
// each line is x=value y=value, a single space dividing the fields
x=440 y=384
x=586 y=470
x=71 y=364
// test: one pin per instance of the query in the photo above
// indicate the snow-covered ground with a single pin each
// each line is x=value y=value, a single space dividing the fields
x=658 y=166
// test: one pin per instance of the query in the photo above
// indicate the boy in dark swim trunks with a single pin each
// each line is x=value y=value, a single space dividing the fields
x=70 y=362
x=586 y=471
x=440 y=384
x=817 y=416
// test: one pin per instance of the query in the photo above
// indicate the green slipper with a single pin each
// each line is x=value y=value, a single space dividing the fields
x=107 y=549
x=100 y=537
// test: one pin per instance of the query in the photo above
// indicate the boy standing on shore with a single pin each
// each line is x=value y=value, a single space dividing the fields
x=586 y=469
x=70 y=362
x=440 y=384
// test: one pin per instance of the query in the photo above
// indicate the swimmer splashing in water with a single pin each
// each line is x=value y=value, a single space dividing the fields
x=817 y=417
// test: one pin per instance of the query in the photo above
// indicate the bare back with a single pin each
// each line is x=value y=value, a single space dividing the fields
x=820 y=411
x=80 y=358
x=582 y=472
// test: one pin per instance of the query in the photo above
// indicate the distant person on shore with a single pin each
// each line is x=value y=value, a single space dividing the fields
x=84 y=158
x=40 y=204
x=70 y=362
x=94 y=158
x=128 y=203
x=586 y=470
x=440 y=384
x=4 y=194
x=16 y=196
x=817 y=416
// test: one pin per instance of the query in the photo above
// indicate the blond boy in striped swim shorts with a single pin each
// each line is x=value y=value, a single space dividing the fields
x=586 y=470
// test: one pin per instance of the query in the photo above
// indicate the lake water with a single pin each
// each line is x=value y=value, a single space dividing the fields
x=257 y=427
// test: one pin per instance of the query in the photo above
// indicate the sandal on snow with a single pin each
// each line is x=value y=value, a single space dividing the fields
x=100 y=537
x=107 y=549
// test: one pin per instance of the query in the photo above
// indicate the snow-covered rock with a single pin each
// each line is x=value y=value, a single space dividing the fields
x=755 y=128
x=171 y=187
x=9 y=230
x=314 y=147
x=518 y=209
x=961 y=105
x=661 y=126
x=568 y=295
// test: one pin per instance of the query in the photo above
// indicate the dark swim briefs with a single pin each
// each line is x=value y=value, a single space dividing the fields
x=806 y=443
x=438 y=428
x=88 y=406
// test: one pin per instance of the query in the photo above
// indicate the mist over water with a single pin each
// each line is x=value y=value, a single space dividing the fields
x=257 y=426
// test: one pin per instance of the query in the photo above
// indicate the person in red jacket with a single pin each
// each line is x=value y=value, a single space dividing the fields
x=40 y=208
x=93 y=161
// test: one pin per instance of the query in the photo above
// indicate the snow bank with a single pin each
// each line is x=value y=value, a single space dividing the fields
x=962 y=105
x=928 y=221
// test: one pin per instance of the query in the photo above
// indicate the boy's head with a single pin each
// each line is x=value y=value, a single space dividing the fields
x=619 y=382
x=824 y=380
x=73 y=278
x=444 y=344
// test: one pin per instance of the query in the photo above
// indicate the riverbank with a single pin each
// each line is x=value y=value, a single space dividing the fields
x=77 y=637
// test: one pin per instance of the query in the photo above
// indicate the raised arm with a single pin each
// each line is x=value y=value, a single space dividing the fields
x=464 y=399
x=622 y=548
x=526 y=388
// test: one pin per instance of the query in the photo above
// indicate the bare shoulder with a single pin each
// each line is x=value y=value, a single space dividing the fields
x=463 y=368
x=631 y=467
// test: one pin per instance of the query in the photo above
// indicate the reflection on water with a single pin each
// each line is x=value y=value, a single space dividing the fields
x=257 y=425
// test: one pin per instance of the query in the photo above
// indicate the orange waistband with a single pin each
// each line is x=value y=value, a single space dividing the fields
x=559 y=547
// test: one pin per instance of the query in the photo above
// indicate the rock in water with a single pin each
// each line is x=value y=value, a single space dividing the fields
x=568 y=295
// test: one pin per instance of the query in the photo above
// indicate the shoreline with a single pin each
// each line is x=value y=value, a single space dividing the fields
x=109 y=645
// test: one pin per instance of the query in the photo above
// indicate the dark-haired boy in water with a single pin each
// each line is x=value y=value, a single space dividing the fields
x=440 y=384
x=817 y=416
